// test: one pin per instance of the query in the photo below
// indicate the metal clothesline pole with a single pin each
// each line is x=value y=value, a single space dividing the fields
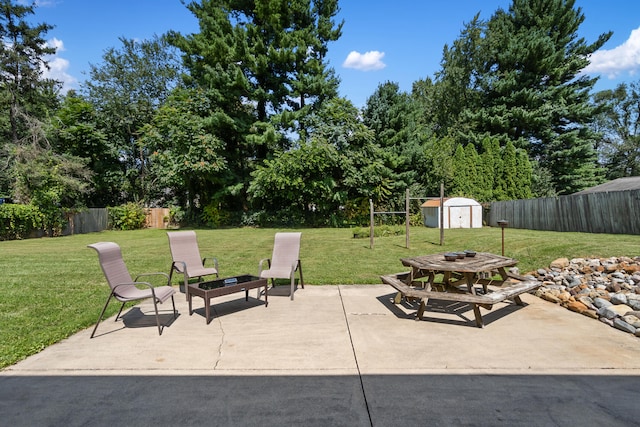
x=372 y=213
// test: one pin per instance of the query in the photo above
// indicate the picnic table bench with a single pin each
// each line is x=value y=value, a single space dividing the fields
x=458 y=282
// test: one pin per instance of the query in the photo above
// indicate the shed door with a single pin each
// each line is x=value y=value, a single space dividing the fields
x=460 y=217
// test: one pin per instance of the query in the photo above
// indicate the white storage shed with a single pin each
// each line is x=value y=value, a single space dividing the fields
x=459 y=212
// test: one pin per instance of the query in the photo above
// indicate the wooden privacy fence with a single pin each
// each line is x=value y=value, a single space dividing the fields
x=88 y=221
x=608 y=212
x=97 y=219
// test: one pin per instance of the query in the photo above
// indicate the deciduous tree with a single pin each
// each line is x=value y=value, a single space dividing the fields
x=619 y=124
x=126 y=89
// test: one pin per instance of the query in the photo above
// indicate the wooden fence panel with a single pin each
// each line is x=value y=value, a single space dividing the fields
x=157 y=217
x=610 y=212
x=97 y=219
x=89 y=221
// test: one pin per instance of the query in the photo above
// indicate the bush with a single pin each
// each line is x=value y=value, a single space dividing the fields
x=48 y=203
x=19 y=221
x=213 y=216
x=130 y=216
x=379 y=231
x=176 y=216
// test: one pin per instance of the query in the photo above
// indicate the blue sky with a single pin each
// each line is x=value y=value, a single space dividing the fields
x=399 y=41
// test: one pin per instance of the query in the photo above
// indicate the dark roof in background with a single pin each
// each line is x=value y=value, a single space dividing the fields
x=620 y=184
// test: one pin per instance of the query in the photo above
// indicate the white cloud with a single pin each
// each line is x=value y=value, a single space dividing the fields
x=57 y=44
x=37 y=3
x=620 y=59
x=368 y=61
x=58 y=67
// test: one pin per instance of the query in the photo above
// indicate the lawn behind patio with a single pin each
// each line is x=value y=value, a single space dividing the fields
x=53 y=287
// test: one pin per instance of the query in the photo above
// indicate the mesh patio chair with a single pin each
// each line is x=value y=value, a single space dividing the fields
x=186 y=258
x=284 y=261
x=123 y=287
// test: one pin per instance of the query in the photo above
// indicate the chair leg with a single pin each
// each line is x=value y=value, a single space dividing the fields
x=101 y=314
x=175 y=313
x=293 y=283
x=300 y=271
x=120 y=312
x=155 y=307
x=186 y=286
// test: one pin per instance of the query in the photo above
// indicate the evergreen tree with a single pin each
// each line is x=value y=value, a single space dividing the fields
x=520 y=81
x=438 y=153
x=23 y=50
x=509 y=179
x=524 y=176
x=536 y=97
x=461 y=184
x=476 y=189
x=25 y=96
x=263 y=65
x=492 y=168
x=457 y=86
x=392 y=116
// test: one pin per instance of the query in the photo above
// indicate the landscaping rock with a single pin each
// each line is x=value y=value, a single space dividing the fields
x=601 y=302
x=618 y=323
x=618 y=298
x=560 y=263
x=632 y=320
x=607 y=289
x=577 y=306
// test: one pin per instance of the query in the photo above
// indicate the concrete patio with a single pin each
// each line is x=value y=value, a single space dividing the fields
x=337 y=355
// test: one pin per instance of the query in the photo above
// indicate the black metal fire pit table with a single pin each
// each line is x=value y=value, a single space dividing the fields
x=216 y=288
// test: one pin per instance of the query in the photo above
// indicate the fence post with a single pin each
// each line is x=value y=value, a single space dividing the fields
x=407 y=218
x=441 y=213
x=370 y=224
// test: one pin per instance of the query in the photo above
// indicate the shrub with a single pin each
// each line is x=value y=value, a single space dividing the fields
x=213 y=216
x=130 y=216
x=48 y=203
x=19 y=221
x=176 y=216
x=379 y=231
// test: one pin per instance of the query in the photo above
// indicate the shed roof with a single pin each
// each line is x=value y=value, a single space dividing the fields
x=620 y=184
x=450 y=201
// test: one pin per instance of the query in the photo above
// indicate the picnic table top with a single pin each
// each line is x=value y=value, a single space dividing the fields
x=482 y=261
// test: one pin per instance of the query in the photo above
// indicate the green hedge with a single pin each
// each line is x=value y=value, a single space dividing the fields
x=19 y=221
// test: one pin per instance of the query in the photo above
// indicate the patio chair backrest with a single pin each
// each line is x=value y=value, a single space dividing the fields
x=184 y=247
x=286 y=250
x=112 y=264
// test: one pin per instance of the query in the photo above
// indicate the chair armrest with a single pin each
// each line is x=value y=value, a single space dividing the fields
x=136 y=283
x=215 y=262
x=174 y=266
x=260 y=268
x=166 y=276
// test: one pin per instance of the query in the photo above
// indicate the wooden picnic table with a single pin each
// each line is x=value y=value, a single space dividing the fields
x=466 y=269
x=457 y=281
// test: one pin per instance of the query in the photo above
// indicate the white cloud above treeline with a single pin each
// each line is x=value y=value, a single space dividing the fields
x=619 y=60
x=368 y=61
x=58 y=67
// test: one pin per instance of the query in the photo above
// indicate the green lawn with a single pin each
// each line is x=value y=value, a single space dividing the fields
x=53 y=287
